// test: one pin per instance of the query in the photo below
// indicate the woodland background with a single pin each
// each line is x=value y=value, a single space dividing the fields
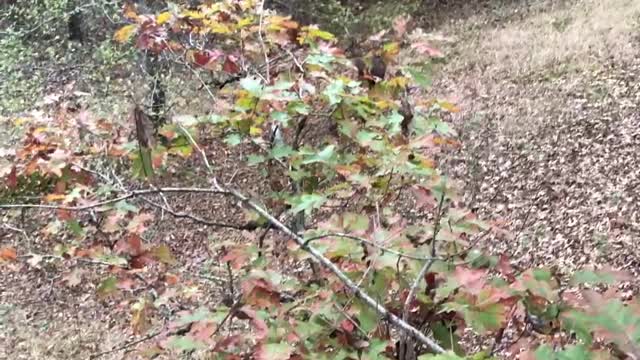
x=180 y=178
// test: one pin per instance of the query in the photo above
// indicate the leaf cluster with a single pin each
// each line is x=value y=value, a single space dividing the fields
x=347 y=156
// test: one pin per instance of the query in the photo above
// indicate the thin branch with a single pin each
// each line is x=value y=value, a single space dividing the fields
x=77 y=259
x=194 y=71
x=351 y=320
x=427 y=265
x=183 y=215
x=232 y=290
x=132 y=194
x=130 y=344
x=262 y=44
x=22 y=231
x=195 y=144
x=100 y=175
x=295 y=60
x=359 y=283
x=386 y=314
x=232 y=311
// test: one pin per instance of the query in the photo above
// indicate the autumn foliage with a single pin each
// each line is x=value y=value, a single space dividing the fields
x=379 y=254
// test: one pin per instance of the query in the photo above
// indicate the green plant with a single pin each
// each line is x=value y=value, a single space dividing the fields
x=340 y=158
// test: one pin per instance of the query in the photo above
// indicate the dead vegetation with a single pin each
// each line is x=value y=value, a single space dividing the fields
x=550 y=127
x=549 y=122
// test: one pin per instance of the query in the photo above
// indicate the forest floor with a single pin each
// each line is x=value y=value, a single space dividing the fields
x=551 y=132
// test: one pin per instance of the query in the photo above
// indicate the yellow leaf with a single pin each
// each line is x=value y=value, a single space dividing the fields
x=448 y=106
x=193 y=14
x=255 y=131
x=124 y=33
x=391 y=49
x=245 y=21
x=279 y=22
x=139 y=317
x=163 y=253
x=383 y=104
x=55 y=197
x=39 y=130
x=317 y=33
x=163 y=18
x=398 y=82
x=218 y=28
x=130 y=11
x=20 y=121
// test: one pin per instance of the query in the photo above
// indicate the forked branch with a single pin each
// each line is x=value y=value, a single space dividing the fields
x=386 y=314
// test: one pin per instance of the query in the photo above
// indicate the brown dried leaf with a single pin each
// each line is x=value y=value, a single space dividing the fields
x=8 y=254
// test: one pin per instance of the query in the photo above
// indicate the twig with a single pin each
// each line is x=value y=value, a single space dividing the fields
x=195 y=144
x=351 y=320
x=232 y=290
x=22 y=231
x=183 y=215
x=233 y=177
x=262 y=44
x=188 y=66
x=127 y=345
x=425 y=268
x=386 y=314
x=470 y=246
x=264 y=235
x=78 y=259
x=359 y=283
x=213 y=278
x=132 y=194
x=232 y=311
x=102 y=176
x=295 y=60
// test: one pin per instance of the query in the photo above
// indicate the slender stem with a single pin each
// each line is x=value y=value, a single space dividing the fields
x=132 y=194
x=425 y=268
x=183 y=215
x=262 y=44
x=386 y=314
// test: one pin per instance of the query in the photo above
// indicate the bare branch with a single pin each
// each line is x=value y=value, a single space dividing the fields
x=424 y=269
x=132 y=194
x=183 y=215
x=195 y=144
x=262 y=45
x=77 y=259
x=393 y=319
x=22 y=231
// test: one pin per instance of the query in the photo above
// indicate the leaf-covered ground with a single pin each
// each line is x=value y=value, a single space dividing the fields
x=549 y=123
x=548 y=95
